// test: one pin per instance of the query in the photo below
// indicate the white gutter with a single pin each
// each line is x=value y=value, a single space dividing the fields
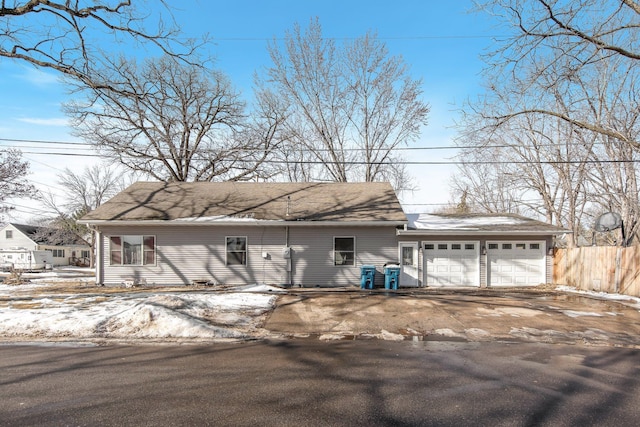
x=265 y=223
x=476 y=232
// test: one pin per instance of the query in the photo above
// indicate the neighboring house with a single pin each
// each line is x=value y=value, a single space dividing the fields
x=294 y=234
x=18 y=238
x=476 y=250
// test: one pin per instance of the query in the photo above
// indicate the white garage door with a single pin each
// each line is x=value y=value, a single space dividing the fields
x=516 y=263
x=452 y=263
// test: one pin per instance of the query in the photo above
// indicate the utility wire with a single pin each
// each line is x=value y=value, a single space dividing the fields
x=402 y=162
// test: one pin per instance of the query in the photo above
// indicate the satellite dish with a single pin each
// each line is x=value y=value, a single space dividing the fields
x=608 y=221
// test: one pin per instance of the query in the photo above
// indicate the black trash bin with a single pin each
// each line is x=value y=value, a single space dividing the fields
x=367 y=276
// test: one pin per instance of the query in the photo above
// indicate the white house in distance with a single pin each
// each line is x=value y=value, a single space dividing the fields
x=306 y=234
x=18 y=241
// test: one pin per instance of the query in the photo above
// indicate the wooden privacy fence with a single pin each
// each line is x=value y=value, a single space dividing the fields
x=599 y=268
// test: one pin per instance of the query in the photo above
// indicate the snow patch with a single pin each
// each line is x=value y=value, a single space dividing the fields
x=603 y=295
x=437 y=222
x=143 y=315
x=574 y=313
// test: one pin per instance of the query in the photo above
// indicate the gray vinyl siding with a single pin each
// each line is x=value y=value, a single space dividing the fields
x=313 y=263
x=188 y=253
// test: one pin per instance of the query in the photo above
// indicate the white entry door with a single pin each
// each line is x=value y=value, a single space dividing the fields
x=409 y=264
x=452 y=263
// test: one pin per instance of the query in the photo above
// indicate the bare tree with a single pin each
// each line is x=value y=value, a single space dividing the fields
x=13 y=182
x=562 y=104
x=346 y=108
x=174 y=122
x=73 y=37
x=81 y=194
x=556 y=43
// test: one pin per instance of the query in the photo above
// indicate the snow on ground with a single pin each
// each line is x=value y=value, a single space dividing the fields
x=635 y=301
x=235 y=314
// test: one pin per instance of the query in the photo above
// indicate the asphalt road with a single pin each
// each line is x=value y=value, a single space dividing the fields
x=309 y=383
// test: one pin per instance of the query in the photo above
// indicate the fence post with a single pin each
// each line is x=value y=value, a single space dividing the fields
x=617 y=271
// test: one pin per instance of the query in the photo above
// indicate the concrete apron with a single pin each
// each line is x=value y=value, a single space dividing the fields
x=507 y=315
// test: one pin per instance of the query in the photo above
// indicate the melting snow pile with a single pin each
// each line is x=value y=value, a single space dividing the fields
x=145 y=315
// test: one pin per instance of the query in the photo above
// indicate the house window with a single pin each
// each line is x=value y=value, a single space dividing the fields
x=344 y=251
x=456 y=246
x=534 y=246
x=469 y=246
x=428 y=246
x=58 y=253
x=407 y=255
x=521 y=246
x=132 y=250
x=84 y=254
x=8 y=234
x=506 y=246
x=493 y=246
x=236 y=250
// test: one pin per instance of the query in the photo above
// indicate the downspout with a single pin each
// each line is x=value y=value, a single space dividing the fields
x=288 y=260
x=99 y=258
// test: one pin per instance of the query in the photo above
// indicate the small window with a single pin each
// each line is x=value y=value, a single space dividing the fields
x=344 y=251
x=407 y=255
x=429 y=246
x=456 y=246
x=236 y=250
x=534 y=246
x=506 y=246
x=493 y=246
x=58 y=253
x=469 y=246
x=8 y=234
x=521 y=246
x=443 y=246
x=84 y=254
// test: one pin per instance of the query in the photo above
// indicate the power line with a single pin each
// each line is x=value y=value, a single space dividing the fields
x=393 y=38
x=40 y=141
x=402 y=162
x=421 y=148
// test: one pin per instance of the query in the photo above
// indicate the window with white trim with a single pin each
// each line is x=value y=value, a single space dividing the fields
x=58 y=253
x=8 y=234
x=132 y=250
x=236 y=250
x=344 y=251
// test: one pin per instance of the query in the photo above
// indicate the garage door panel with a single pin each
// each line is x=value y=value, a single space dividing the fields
x=452 y=264
x=516 y=263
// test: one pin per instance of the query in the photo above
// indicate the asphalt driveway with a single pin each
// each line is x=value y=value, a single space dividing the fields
x=530 y=315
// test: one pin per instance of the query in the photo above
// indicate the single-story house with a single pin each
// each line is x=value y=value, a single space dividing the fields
x=21 y=239
x=306 y=234
x=451 y=250
x=294 y=234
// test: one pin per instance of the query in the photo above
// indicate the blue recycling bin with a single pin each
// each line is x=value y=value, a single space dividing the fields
x=391 y=276
x=367 y=276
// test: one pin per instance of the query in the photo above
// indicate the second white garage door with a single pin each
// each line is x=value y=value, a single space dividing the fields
x=516 y=263
x=452 y=263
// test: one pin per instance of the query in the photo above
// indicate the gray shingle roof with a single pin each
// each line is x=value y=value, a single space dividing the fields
x=210 y=201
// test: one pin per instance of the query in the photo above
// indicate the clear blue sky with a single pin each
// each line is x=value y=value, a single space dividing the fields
x=440 y=41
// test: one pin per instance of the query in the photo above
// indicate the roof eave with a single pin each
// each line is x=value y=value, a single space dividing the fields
x=252 y=223
x=480 y=232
